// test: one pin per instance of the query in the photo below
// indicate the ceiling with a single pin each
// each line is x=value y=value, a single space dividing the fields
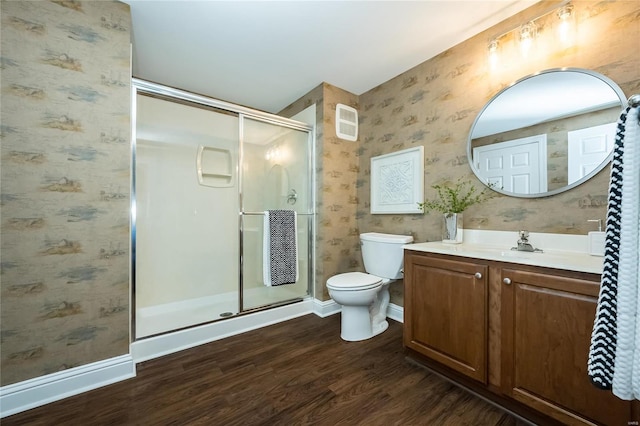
x=267 y=54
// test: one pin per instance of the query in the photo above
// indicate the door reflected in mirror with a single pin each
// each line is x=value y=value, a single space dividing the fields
x=546 y=133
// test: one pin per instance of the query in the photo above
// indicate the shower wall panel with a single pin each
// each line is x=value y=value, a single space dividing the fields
x=186 y=232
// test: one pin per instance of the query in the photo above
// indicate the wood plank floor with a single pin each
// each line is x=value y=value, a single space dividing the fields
x=292 y=373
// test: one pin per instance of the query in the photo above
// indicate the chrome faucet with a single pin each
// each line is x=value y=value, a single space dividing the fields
x=524 y=244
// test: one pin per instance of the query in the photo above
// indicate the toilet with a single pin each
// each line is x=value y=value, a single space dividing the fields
x=365 y=296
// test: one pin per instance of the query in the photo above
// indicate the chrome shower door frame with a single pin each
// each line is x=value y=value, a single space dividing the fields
x=139 y=86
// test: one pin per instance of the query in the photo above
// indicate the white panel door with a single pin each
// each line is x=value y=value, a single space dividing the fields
x=588 y=148
x=519 y=165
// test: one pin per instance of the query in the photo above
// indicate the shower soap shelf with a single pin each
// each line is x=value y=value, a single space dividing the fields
x=214 y=167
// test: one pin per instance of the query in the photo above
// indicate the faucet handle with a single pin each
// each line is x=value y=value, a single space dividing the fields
x=524 y=235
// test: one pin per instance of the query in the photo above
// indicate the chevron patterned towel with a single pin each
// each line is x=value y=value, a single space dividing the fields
x=280 y=248
x=626 y=372
x=602 y=352
x=614 y=361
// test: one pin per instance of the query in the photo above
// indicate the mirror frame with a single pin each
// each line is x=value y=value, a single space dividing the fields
x=623 y=104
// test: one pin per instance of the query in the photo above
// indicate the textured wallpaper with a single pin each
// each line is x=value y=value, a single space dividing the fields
x=65 y=160
x=337 y=244
x=434 y=105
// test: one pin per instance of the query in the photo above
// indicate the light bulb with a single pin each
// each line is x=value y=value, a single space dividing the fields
x=493 y=54
x=527 y=34
x=565 y=14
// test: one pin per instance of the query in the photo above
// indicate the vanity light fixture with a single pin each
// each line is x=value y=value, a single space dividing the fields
x=527 y=33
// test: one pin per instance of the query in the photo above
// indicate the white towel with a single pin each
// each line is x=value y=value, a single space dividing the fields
x=626 y=376
x=280 y=248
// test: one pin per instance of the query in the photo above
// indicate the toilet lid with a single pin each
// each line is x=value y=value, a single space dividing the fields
x=353 y=281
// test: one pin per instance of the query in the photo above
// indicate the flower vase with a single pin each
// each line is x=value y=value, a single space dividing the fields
x=452 y=228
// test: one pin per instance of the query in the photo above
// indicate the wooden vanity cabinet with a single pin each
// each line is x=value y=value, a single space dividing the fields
x=527 y=348
x=446 y=312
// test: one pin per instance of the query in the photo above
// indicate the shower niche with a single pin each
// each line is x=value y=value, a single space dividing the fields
x=214 y=167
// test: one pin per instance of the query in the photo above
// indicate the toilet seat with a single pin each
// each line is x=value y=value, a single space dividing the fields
x=353 y=281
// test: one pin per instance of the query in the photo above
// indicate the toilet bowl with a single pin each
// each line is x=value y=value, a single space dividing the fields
x=357 y=292
x=365 y=296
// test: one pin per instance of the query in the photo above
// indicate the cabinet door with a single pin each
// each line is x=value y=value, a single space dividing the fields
x=446 y=312
x=546 y=332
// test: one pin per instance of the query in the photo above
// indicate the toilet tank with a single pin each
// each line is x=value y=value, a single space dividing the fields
x=383 y=254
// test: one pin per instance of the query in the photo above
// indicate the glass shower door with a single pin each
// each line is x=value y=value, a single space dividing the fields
x=276 y=175
x=186 y=189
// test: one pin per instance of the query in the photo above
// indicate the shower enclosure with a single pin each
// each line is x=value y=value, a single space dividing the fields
x=205 y=171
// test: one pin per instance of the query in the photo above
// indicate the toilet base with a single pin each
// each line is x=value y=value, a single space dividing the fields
x=380 y=327
x=355 y=324
x=364 y=322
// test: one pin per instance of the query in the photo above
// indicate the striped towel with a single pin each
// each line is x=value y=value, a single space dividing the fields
x=614 y=360
x=602 y=352
x=280 y=248
x=627 y=364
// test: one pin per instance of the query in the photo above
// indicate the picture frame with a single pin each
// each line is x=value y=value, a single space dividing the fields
x=397 y=182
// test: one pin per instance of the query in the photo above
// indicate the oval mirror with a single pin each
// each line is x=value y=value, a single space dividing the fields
x=546 y=133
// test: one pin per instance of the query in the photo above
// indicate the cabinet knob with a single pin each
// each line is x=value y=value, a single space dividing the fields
x=507 y=281
x=478 y=275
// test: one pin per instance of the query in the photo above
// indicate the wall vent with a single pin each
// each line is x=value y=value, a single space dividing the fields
x=346 y=122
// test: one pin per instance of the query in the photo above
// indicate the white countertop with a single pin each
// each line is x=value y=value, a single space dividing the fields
x=572 y=260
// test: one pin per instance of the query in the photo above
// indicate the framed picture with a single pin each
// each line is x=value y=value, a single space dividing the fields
x=397 y=182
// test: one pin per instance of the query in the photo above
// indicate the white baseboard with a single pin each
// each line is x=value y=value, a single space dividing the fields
x=395 y=312
x=154 y=347
x=325 y=308
x=42 y=390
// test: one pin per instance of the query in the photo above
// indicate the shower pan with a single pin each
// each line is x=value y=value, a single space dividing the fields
x=205 y=171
